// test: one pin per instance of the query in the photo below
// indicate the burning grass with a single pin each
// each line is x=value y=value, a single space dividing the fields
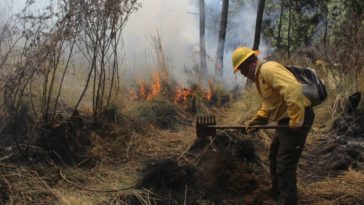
x=161 y=102
x=193 y=99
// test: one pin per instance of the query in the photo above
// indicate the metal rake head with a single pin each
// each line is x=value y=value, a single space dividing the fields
x=202 y=126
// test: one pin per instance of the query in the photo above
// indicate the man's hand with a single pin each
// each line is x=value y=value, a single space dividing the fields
x=257 y=120
x=295 y=126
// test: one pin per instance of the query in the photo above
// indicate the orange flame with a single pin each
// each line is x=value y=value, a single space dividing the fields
x=155 y=87
x=141 y=89
x=210 y=91
x=146 y=92
x=182 y=95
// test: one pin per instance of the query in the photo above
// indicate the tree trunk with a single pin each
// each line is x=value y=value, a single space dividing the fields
x=326 y=28
x=221 y=40
x=203 y=63
x=258 y=24
x=279 y=38
x=289 y=29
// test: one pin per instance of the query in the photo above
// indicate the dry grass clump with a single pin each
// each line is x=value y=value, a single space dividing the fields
x=196 y=101
x=245 y=108
x=25 y=186
x=161 y=144
x=344 y=189
x=118 y=138
x=158 y=112
x=103 y=185
x=219 y=95
x=71 y=185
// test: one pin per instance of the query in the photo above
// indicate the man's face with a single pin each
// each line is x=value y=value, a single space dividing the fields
x=248 y=69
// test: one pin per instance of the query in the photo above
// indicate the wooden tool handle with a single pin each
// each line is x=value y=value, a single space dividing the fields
x=245 y=127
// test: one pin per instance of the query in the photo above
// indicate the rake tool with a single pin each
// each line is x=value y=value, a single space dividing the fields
x=206 y=126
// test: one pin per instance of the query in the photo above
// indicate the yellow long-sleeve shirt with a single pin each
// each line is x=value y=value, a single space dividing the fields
x=281 y=94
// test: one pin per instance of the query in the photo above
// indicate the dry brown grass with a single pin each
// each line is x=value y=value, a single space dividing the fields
x=164 y=144
x=243 y=109
x=25 y=186
x=113 y=178
x=109 y=182
x=347 y=188
x=104 y=184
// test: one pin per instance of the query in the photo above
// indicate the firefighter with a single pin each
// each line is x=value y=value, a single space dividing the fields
x=282 y=100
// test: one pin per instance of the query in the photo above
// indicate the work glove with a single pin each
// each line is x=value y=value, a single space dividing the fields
x=295 y=126
x=257 y=120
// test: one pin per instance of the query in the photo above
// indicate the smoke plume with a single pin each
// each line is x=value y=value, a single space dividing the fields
x=178 y=25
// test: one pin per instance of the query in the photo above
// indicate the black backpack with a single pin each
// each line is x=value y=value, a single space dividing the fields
x=312 y=86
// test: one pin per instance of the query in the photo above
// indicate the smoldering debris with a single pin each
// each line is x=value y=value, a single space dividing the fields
x=210 y=171
x=341 y=148
x=171 y=176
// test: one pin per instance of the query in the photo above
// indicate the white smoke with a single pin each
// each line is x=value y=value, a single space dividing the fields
x=177 y=23
x=179 y=31
x=240 y=31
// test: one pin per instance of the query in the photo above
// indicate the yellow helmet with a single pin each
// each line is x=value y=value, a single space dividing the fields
x=240 y=55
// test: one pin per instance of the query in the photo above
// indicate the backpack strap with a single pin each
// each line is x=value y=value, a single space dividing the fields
x=256 y=76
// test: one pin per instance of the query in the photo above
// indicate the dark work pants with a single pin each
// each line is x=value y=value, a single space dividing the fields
x=285 y=151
